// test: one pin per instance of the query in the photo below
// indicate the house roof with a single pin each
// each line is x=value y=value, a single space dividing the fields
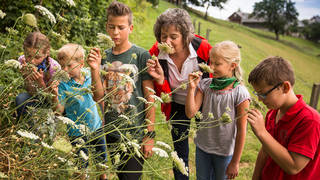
x=245 y=17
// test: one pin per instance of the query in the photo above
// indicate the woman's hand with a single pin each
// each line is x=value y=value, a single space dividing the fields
x=194 y=79
x=94 y=59
x=155 y=70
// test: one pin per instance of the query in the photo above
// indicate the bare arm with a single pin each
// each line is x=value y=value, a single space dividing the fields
x=94 y=61
x=194 y=99
x=292 y=163
x=260 y=162
x=148 y=143
x=241 y=118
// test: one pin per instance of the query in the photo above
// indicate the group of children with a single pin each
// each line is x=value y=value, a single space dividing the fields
x=289 y=134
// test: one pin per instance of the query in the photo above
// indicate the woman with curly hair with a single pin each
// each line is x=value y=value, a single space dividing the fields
x=178 y=51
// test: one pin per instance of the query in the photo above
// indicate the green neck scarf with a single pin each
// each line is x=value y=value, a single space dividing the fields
x=221 y=83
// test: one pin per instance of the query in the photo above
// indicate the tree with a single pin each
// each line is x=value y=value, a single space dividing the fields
x=208 y=3
x=277 y=13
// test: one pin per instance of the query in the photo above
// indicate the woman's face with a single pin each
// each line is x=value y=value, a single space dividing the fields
x=172 y=36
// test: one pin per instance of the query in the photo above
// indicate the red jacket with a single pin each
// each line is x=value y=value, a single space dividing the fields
x=201 y=46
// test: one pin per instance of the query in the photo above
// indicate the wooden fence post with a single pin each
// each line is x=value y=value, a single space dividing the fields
x=199 y=24
x=208 y=34
x=315 y=95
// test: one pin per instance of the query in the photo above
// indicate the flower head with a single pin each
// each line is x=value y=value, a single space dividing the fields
x=70 y=3
x=13 y=63
x=166 y=98
x=225 y=118
x=30 y=20
x=117 y=158
x=205 y=68
x=2 y=14
x=167 y=48
x=199 y=115
x=156 y=98
x=27 y=134
x=160 y=143
x=105 y=40
x=210 y=115
x=44 y=11
x=61 y=75
x=179 y=163
x=134 y=56
x=84 y=155
x=66 y=120
x=62 y=144
x=160 y=152
x=46 y=145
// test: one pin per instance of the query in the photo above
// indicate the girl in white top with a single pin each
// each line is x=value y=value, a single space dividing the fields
x=220 y=139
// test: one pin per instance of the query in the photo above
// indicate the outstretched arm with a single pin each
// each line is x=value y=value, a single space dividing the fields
x=290 y=162
x=260 y=162
x=194 y=99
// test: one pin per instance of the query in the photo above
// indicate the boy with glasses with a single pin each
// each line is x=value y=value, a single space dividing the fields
x=291 y=132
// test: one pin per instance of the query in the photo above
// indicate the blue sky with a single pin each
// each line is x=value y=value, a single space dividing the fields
x=306 y=8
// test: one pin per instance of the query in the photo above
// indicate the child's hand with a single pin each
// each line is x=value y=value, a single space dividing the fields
x=256 y=120
x=38 y=77
x=54 y=87
x=25 y=70
x=94 y=59
x=232 y=170
x=194 y=79
x=155 y=70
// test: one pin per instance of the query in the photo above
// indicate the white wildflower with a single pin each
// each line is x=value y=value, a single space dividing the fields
x=83 y=155
x=27 y=134
x=61 y=75
x=124 y=117
x=142 y=99
x=44 y=11
x=134 y=56
x=183 y=86
x=163 y=144
x=179 y=163
x=65 y=120
x=205 y=68
x=225 y=118
x=3 y=175
x=199 y=115
x=46 y=145
x=105 y=39
x=55 y=34
x=62 y=159
x=117 y=158
x=160 y=152
x=60 y=18
x=62 y=144
x=70 y=3
x=150 y=90
x=210 y=115
x=228 y=109
x=13 y=63
x=103 y=166
x=123 y=147
x=192 y=133
x=167 y=48
x=156 y=98
x=2 y=14
x=136 y=148
x=127 y=78
x=2 y=46
x=166 y=98
x=83 y=129
x=12 y=31
x=163 y=117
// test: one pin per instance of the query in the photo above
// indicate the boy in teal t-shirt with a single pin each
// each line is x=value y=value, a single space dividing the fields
x=75 y=99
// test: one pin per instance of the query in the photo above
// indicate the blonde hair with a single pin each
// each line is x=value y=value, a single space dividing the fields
x=230 y=52
x=71 y=52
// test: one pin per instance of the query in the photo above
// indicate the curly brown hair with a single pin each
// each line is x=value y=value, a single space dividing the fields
x=119 y=9
x=180 y=19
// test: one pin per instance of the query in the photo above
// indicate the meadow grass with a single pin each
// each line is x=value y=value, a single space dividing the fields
x=256 y=45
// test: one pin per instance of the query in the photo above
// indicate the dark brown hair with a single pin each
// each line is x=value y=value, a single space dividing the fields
x=119 y=9
x=272 y=71
x=37 y=40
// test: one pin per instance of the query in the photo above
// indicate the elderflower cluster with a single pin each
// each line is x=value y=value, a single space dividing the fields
x=105 y=39
x=27 y=134
x=165 y=47
x=70 y=3
x=44 y=11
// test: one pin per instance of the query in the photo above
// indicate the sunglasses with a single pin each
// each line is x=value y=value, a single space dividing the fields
x=264 y=95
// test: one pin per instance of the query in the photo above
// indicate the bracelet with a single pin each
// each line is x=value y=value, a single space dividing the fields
x=151 y=134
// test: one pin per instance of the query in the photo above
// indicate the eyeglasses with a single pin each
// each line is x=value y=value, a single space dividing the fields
x=264 y=95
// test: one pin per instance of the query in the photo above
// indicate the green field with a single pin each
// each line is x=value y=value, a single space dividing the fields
x=256 y=45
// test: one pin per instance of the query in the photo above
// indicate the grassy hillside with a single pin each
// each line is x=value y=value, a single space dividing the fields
x=256 y=45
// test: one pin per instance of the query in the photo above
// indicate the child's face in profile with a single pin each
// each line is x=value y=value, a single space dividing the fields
x=119 y=29
x=172 y=36
x=221 y=68
x=73 y=67
x=35 y=56
x=271 y=96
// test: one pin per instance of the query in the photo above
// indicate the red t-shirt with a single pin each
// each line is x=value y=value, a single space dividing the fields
x=298 y=131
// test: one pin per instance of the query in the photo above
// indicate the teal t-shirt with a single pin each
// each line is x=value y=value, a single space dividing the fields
x=123 y=81
x=79 y=104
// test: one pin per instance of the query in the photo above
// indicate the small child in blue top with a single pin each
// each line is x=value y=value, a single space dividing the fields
x=220 y=139
x=74 y=98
